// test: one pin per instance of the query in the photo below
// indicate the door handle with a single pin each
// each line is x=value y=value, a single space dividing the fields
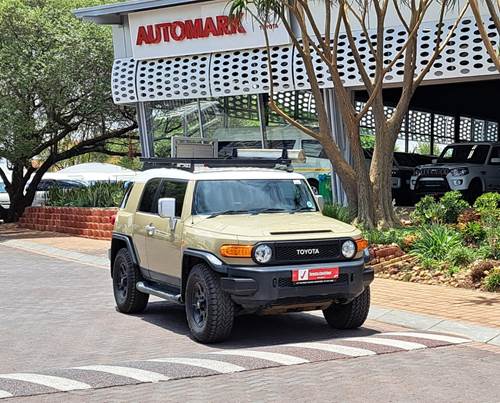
x=150 y=229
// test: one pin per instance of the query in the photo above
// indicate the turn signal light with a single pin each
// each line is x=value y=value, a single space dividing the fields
x=361 y=244
x=236 y=250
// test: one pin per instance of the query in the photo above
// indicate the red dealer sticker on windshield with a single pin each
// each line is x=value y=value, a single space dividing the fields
x=315 y=275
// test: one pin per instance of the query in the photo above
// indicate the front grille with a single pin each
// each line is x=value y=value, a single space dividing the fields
x=434 y=171
x=435 y=186
x=284 y=282
x=307 y=251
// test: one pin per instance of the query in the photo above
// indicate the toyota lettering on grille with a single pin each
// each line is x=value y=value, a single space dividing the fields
x=312 y=251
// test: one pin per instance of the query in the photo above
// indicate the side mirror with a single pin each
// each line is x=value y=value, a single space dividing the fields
x=320 y=200
x=495 y=161
x=166 y=209
x=434 y=160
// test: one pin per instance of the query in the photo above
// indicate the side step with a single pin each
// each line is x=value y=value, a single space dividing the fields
x=158 y=292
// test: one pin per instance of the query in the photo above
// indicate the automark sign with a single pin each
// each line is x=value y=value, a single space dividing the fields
x=196 y=28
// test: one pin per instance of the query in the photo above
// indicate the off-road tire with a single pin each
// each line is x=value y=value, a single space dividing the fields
x=219 y=318
x=351 y=315
x=125 y=276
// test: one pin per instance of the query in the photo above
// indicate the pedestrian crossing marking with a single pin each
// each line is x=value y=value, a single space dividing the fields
x=218 y=366
x=133 y=373
x=54 y=382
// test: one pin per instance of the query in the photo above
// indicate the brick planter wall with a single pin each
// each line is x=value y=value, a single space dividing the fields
x=80 y=221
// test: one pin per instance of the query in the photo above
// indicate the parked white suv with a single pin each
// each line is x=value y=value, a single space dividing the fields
x=472 y=168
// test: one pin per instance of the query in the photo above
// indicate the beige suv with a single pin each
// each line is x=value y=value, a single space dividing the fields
x=226 y=242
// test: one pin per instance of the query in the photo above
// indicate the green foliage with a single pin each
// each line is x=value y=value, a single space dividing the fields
x=436 y=242
x=460 y=256
x=473 y=232
x=453 y=204
x=97 y=195
x=492 y=280
x=446 y=210
x=488 y=202
x=387 y=237
x=488 y=205
x=338 y=212
x=493 y=246
x=55 y=93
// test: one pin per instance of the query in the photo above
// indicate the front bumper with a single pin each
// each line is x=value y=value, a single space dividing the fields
x=439 y=185
x=260 y=287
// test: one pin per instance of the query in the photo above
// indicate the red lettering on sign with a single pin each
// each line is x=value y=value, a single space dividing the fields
x=189 y=29
x=177 y=31
x=194 y=29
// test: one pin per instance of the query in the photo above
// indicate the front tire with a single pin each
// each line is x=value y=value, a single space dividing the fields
x=125 y=277
x=351 y=315
x=209 y=310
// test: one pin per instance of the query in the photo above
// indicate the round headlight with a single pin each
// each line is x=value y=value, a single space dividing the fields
x=348 y=249
x=263 y=253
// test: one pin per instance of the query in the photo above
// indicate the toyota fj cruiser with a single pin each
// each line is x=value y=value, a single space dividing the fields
x=229 y=241
x=472 y=168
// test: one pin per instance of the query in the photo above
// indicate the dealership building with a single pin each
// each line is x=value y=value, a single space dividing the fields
x=190 y=70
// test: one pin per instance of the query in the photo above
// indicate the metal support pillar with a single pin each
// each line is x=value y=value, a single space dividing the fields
x=339 y=135
x=433 y=135
x=145 y=132
x=200 y=119
x=407 y=132
x=456 y=129
x=261 y=109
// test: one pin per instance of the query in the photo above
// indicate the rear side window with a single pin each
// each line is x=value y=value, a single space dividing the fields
x=128 y=189
x=149 y=197
x=176 y=190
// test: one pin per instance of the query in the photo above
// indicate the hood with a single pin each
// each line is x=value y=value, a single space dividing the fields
x=276 y=226
x=449 y=165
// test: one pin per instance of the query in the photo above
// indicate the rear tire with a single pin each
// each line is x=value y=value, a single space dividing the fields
x=351 y=315
x=209 y=310
x=125 y=277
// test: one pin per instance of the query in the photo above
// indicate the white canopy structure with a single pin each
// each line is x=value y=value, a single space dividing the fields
x=94 y=172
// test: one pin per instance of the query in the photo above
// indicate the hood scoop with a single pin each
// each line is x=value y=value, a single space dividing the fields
x=318 y=231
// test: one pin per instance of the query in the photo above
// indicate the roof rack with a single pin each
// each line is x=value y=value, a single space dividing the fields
x=190 y=164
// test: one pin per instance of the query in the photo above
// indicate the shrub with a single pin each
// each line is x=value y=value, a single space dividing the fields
x=97 y=195
x=453 y=205
x=446 y=210
x=492 y=280
x=436 y=242
x=469 y=215
x=426 y=211
x=478 y=269
x=339 y=212
x=461 y=256
x=488 y=205
x=493 y=247
x=473 y=232
x=386 y=237
x=488 y=202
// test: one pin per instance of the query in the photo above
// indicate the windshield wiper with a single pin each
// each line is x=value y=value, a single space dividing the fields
x=268 y=210
x=227 y=212
x=302 y=209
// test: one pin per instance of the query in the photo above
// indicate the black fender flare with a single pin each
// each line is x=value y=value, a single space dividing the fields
x=210 y=259
x=129 y=245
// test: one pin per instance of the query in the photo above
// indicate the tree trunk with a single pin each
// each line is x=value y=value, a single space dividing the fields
x=19 y=196
x=381 y=178
x=365 y=211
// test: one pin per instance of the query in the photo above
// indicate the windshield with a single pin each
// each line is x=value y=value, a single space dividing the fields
x=2 y=188
x=252 y=196
x=466 y=153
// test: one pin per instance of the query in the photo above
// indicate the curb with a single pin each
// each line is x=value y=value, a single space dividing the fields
x=483 y=334
x=46 y=250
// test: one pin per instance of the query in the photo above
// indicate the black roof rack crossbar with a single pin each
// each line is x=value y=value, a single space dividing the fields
x=190 y=163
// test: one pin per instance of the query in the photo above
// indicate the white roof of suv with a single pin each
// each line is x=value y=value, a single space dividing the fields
x=216 y=174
